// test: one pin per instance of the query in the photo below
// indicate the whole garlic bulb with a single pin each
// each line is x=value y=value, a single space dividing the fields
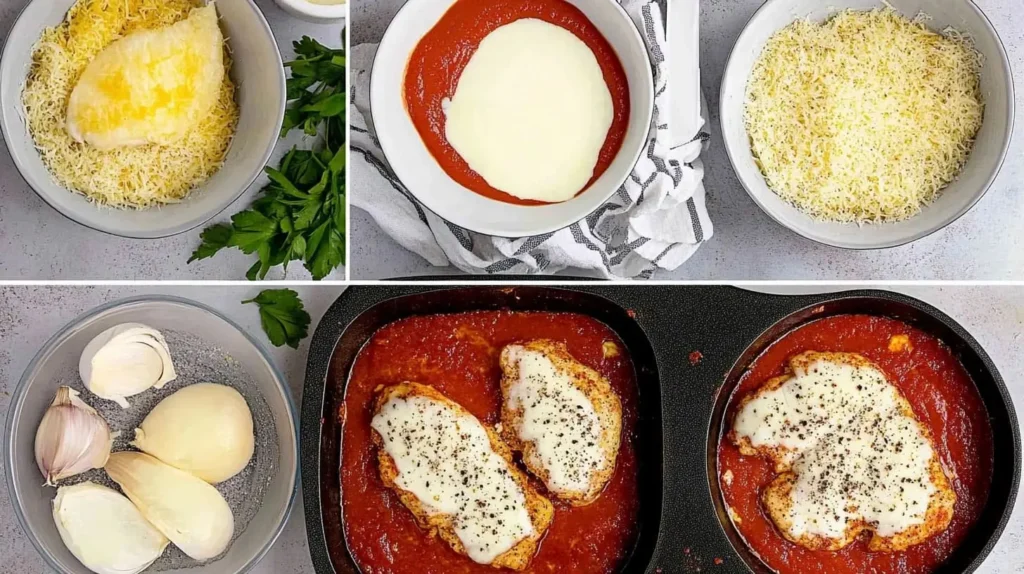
x=71 y=439
x=185 y=509
x=205 y=429
x=104 y=530
x=126 y=360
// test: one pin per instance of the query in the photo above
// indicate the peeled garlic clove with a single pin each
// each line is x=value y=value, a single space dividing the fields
x=104 y=530
x=126 y=360
x=185 y=509
x=205 y=429
x=71 y=439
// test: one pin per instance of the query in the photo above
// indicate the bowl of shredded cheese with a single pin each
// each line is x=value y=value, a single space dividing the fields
x=865 y=124
x=141 y=118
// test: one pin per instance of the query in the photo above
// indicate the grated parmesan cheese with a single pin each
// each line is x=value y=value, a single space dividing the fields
x=129 y=177
x=864 y=118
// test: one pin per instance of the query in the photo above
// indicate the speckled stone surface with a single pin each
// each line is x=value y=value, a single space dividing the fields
x=29 y=315
x=36 y=242
x=985 y=244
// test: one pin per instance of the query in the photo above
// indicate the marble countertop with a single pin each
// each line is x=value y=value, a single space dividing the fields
x=31 y=314
x=37 y=242
x=987 y=243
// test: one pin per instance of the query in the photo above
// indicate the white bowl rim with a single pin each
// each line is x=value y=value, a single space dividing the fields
x=323 y=11
x=17 y=400
x=648 y=115
x=1005 y=148
x=5 y=133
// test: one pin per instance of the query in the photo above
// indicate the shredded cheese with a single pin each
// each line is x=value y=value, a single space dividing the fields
x=127 y=177
x=864 y=118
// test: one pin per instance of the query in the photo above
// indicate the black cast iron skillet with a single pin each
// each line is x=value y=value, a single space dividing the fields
x=682 y=524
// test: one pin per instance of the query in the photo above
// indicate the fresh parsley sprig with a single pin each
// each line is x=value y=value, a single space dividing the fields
x=282 y=315
x=316 y=89
x=300 y=214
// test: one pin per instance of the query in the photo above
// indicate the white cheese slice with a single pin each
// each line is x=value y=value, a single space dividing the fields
x=531 y=111
x=444 y=457
x=856 y=454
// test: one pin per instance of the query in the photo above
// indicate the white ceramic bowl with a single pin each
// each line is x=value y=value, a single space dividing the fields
x=260 y=92
x=316 y=13
x=419 y=171
x=989 y=150
x=57 y=363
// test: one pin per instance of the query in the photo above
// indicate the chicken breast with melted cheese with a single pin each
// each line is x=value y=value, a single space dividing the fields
x=563 y=416
x=852 y=456
x=457 y=477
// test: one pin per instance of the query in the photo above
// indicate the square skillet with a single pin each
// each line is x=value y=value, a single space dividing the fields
x=683 y=527
x=424 y=302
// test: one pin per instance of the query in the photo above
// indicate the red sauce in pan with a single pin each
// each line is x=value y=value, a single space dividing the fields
x=943 y=397
x=458 y=355
x=437 y=62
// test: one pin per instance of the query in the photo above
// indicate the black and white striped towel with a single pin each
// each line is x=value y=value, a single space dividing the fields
x=657 y=219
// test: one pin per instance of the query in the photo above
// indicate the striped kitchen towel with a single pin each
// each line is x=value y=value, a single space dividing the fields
x=657 y=219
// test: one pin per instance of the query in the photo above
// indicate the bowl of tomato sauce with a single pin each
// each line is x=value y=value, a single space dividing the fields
x=418 y=73
x=956 y=393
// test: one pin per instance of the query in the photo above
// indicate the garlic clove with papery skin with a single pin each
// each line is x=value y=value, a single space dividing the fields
x=72 y=438
x=104 y=530
x=184 y=508
x=126 y=360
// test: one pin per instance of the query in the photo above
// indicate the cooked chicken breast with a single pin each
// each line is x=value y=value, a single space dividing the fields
x=851 y=456
x=457 y=477
x=563 y=416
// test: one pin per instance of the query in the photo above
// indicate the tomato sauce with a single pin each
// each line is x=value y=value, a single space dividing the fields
x=943 y=397
x=437 y=62
x=458 y=355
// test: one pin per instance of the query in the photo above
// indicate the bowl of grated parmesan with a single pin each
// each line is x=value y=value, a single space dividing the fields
x=865 y=124
x=141 y=118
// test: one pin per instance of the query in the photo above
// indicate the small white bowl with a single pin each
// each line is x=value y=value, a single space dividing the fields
x=955 y=200
x=414 y=165
x=259 y=79
x=315 y=13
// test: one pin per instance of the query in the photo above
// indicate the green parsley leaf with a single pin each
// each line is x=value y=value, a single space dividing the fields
x=251 y=229
x=214 y=238
x=329 y=254
x=282 y=315
x=300 y=214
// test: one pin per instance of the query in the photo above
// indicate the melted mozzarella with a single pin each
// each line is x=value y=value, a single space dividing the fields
x=444 y=457
x=558 y=419
x=151 y=86
x=531 y=111
x=856 y=454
